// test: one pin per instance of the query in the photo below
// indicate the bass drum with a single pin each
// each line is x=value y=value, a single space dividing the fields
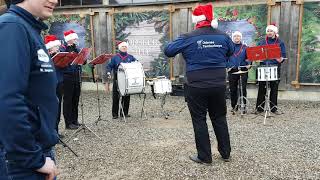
x=131 y=78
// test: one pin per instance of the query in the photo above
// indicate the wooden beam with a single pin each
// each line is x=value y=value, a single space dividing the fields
x=296 y=81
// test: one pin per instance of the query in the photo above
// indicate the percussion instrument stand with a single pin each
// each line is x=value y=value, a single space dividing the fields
x=142 y=109
x=267 y=109
x=82 y=126
x=163 y=102
x=243 y=106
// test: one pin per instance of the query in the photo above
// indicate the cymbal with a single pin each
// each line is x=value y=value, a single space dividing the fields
x=240 y=72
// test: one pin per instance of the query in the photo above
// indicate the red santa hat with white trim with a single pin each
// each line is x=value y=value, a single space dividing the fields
x=122 y=43
x=51 y=41
x=70 y=35
x=273 y=28
x=204 y=12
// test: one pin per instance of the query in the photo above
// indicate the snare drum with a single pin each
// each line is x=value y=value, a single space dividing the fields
x=268 y=73
x=131 y=78
x=162 y=86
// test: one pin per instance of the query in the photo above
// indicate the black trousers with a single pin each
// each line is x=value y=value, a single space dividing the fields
x=212 y=100
x=59 y=92
x=273 y=85
x=125 y=102
x=234 y=87
x=71 y=89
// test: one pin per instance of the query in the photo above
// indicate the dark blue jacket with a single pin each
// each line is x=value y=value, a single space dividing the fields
x=28 y=101
x=205 y=51
x=239 y=57
x=202 y=48
x=273 y=41
x=116 y=60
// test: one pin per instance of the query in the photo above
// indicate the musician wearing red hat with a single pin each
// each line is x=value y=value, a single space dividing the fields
x=28 y=101
x=71 y=82
x=121 y=57
x=53 y=46
x=272 y=37
x=237 y=63
x=205 y=51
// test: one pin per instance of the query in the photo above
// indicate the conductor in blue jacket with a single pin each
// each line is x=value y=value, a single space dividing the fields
x=121 y=57
x=28 y=101
x=205 y=51
x=272 y=37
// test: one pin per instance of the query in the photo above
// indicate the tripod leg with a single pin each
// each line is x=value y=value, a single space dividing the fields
x=65 y=145
x=121 y=109
x=142 y=109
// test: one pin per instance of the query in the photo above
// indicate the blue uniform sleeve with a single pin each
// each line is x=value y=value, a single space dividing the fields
x=110 y=65
x=175 y=47
x=16 y=131
x=283 y=50
x=230 y=47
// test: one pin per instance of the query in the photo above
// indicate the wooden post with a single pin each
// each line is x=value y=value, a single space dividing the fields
x=296 y=82
x=171 y=11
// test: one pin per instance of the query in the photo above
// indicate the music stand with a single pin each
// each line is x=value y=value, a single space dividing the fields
x=63 y=59
x=80 y=60
x=262 y=53
x=99 y=60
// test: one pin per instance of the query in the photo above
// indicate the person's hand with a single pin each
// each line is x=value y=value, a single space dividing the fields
x=49 y=168
x=108 y=75
x=248 y=66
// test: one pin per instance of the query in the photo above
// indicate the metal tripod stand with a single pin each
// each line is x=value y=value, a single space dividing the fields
x=243 y=102
x=82 y=126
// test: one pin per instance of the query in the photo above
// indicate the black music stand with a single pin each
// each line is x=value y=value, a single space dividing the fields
x=80 y=60
x=99 y=60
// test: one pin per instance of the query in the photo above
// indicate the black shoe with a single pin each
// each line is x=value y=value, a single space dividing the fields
x=226 y=159
x=197 y=160
x=125 y=115
x=72 y=127
x=276 y=113
x=257 y=112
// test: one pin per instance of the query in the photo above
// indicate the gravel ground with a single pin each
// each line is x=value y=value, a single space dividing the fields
x=287 y=147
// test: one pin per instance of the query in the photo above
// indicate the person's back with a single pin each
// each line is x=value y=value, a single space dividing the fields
x=28 y=104
x=205 y=51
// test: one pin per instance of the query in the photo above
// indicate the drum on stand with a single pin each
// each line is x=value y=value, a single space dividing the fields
x=131 y=78
x=162 y=85
x=268 y=73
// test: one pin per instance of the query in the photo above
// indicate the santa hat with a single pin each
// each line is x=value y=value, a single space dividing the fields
x=70 y=35
x=51 y=41
x=122 y=43
x=204 y=12
x=236 y=33
x=272 y=27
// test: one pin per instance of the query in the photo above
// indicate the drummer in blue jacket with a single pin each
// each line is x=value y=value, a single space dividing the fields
x=205 y=50
x=28 y=102
x=272 y=37
x=121 y=57
x=237 y=63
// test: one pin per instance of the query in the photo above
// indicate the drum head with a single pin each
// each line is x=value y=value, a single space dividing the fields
x=121 y=81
